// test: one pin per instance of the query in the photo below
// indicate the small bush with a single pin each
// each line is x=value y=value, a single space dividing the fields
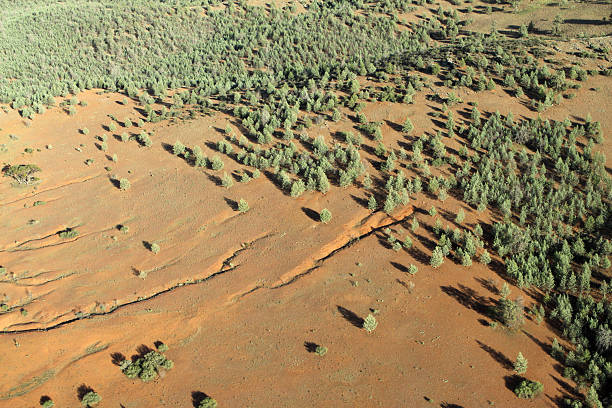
x=47 y=402
x=154 y=247
x=68 y=233
x=208 y=402
x=90 y=399
x=124 y=184
x=528 y=389
x=325 y=216
x=22 y=173
x=216 y=163
x=178 y=148
x=243 y=206
x=370 y=323
x=227 y=181
x=147 y=367
x=321 y=350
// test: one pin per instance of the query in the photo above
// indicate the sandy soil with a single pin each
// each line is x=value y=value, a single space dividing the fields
x=237 y=296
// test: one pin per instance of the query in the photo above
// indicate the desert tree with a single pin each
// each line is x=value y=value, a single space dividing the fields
x=325 y=216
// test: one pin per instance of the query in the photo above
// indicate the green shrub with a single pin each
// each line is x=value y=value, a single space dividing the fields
x=370 y=323
x=124 y=184
x=47 y=403
x=208 y=402
x=147 y=367
x=325 y=216
x=520 y=365
x=243 y=206
x=68 y=233
x=22 y=173
x=90 y=399
x=321 y=350
x=437 y=257
x=216 y=163
x=154 y=247
x=178 y=148
x=528 y=389
x=227 y=181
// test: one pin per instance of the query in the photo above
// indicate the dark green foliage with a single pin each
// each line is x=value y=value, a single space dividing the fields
x=528 y=389
x=146 y=367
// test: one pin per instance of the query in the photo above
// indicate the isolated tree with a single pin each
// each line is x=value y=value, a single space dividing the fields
x=603 y=338
x=407 y=127
x=372 y=204
x=520 y=365
x=216 y=163
x=460 y=216
x=22 y=173
x=370 y=323
x=154 y=247
x=437 y=257
x=178 y=148
x=325 y=216
x=243 y=206
x=90 y=399
x=485 y=258
x=227 y=181
x=124 y=184
x=208 y=402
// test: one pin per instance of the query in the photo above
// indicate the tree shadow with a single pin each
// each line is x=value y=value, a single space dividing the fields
x=232 y=203
x=117 y=358
x=197 y=397
x=44 y=399
x=310 y=346
x=399 y=267
x=351 y=317
x=544 y=346
x=488 y=285
x=361 y=201
x=512 y=381
x=395 y=126
x=147 y=245
x=83 y=390
x=312 y=214
x=497 y=356
x=114 y=182
x=471 y=300
x=168 y=148
x=566 y=386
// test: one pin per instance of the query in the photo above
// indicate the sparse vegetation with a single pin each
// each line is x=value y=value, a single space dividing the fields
x=370 y=323
x=147 y=366
x=22 y=173
x=325 y=216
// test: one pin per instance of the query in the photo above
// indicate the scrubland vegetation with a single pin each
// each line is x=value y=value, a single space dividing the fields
x=277 y=72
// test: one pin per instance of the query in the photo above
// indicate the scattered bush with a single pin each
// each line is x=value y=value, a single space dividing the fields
x=124 y=184
x=243 y=206
x=90 y=399
x=208 y=402
x=325 y=216
x=370 y=323
x=528 y=389
x=147 y=366
x=22 y=173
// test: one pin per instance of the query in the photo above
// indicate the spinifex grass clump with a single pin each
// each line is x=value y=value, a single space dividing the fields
x=147 y=366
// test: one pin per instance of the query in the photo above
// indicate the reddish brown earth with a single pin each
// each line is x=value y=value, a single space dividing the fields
x=236 y=296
